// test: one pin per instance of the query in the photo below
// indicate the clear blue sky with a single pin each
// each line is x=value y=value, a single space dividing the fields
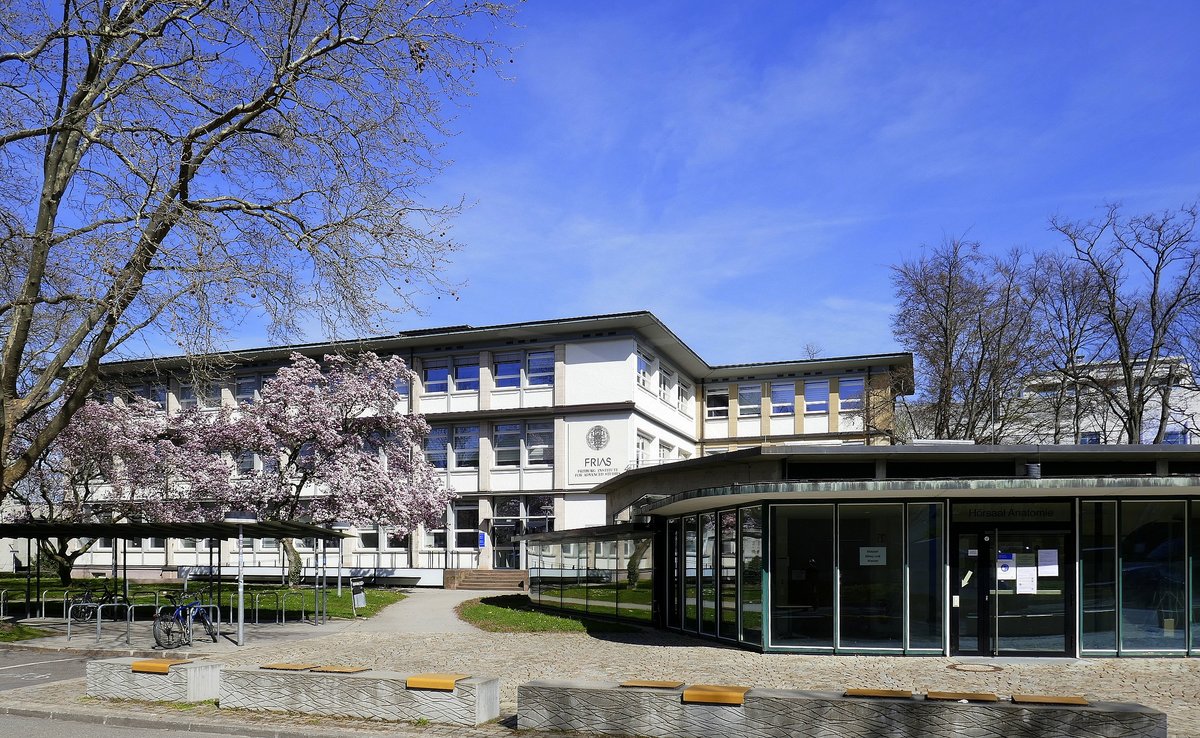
x=749 y=170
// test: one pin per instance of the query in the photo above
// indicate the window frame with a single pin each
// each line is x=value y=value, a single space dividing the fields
x=432 y=452
x=444 y=383
x=458 y=453
x=466 y=384
x=855 y=404
x=645 y=369
x=542 y=378
x=752 y=409
x=818 y=405
x=783 y=408
x=511 y=380
x=718 y=413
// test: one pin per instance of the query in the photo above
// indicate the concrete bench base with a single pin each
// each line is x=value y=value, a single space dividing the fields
x=374 y=695
x=113 y=679
x=779 y=713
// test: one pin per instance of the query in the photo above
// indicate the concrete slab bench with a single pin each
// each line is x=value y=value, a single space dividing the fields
x=666 y=712
x=456 y=699
x=157 y=680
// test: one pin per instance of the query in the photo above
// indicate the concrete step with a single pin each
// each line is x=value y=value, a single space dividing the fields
x=503 y=579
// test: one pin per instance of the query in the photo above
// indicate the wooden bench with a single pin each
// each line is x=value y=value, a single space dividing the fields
x=156 y=680
x=348 y=691
x=715 y=711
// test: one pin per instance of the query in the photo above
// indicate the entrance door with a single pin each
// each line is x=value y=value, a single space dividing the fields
x=506 y=551
x=1011 y=592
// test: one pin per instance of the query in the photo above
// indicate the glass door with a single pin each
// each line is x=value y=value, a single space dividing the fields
x=1031 y=599
x=1011 y=593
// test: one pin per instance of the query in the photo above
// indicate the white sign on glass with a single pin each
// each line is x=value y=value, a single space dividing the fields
x=1047 y=559
x=1006 y=566
x=872 y=555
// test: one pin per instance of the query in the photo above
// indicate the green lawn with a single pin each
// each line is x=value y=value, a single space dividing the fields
x=515 y=614
x=339 y=607
x=10 y=632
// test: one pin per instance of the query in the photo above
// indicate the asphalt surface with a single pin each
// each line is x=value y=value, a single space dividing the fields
x=29 y=668
x=32 y=727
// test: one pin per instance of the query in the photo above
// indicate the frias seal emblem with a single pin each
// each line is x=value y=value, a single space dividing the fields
x=597 y=437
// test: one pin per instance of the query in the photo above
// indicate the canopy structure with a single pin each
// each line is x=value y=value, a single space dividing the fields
x=41 y=529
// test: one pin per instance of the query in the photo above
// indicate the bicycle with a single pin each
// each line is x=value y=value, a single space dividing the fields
x=83 y=608
x=174 y=629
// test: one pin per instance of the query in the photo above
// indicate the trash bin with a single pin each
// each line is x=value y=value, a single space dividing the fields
x=358 y=593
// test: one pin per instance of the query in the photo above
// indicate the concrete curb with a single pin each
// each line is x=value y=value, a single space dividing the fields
x=100 y=652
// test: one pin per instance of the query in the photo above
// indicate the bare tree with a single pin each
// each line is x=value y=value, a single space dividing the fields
x=965 y=316
x=1129 y=309
x=169 y=166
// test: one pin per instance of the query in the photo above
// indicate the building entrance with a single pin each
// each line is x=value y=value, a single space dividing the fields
x=1011 y=591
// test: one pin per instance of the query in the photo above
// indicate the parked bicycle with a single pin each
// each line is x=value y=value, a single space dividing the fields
x=173 y=627
x=84 y=606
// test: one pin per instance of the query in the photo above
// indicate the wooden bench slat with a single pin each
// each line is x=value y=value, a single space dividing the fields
x=1049 y=699
x=715 y=694
x=156 y=666
x=889 y=693
x=652 y=684
x=968 y=696
x=340 y=669
x=435 y=681
x=289 y=667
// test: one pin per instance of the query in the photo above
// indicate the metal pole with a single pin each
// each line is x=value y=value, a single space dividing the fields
x=28 y=572
x=324 y=580
x=339 y=569
x=241 y=593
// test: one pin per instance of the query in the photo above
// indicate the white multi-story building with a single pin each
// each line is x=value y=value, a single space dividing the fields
x=526 y=418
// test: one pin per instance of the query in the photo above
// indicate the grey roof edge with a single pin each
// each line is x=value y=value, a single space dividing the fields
x=597 y=532
x=928 y=485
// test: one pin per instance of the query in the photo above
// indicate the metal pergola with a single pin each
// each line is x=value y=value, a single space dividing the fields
x=125 y=531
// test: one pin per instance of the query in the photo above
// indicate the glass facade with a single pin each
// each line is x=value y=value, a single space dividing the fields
x=1005 y=577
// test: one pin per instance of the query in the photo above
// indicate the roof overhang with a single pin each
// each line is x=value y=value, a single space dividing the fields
x=619 y=532
x=42 y=529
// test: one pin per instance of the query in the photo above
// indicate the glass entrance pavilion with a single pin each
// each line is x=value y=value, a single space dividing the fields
x=1077 y=551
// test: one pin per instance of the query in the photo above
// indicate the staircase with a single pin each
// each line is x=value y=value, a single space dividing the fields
x=514 y=580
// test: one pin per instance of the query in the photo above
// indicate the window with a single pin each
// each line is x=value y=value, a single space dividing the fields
x=435 y=538
x=247 y=387
x=211 y=398
x=369 y=539
x=187 y=544
x=397 y=539
x=666 y=384
x=1089 y=438
x=506 y=442
x=645 y=367
x=508 y=370
x=717 y=400
x=437 y=376
x=245 y=462
x=665 y=450
x=157 y=393
x=158 y=543
x=401 y=385
x=466 y=373
x=783 y=398
x=268 y=544
x=187 y=397
x=643 y=448
x=749 y=400
x=466 y=526
x=715 y=451
x=684 y=403
x=539 y=369
x=435 y=446
x=1176 y=437
x=850 y=395
x=816 y=396
x=539 y=442
x=466 y=446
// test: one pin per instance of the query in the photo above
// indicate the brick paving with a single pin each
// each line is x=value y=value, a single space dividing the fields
x=1169 y=684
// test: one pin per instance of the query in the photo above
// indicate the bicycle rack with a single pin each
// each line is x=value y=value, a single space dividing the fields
x=3 y=602
x=285 y=598
x=253 y=597
x=274 y=594
x=42 y=600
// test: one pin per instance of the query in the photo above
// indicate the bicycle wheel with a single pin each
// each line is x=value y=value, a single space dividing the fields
x=83 y=611
x=169 y=632
x=209 y=626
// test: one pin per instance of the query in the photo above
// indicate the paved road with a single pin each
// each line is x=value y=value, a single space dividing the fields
x=27 y=668
x=44 y=728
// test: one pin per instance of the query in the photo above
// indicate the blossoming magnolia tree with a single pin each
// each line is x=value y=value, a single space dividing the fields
x=105 y=453
x=330 y=444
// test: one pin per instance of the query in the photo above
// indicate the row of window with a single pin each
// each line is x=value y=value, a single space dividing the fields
x=1178 y=437
x=783 y=398
x=528 y=443
x=512 y=370
x=672 y=389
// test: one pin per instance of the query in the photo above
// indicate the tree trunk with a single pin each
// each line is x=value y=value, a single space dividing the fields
x=292 y=556
x=633 y=568
x=63 y=561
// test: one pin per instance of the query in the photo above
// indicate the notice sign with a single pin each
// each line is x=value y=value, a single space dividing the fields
x=1006 y=566
x=1047 y=562
x=872 y=555
x=1027 y=574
